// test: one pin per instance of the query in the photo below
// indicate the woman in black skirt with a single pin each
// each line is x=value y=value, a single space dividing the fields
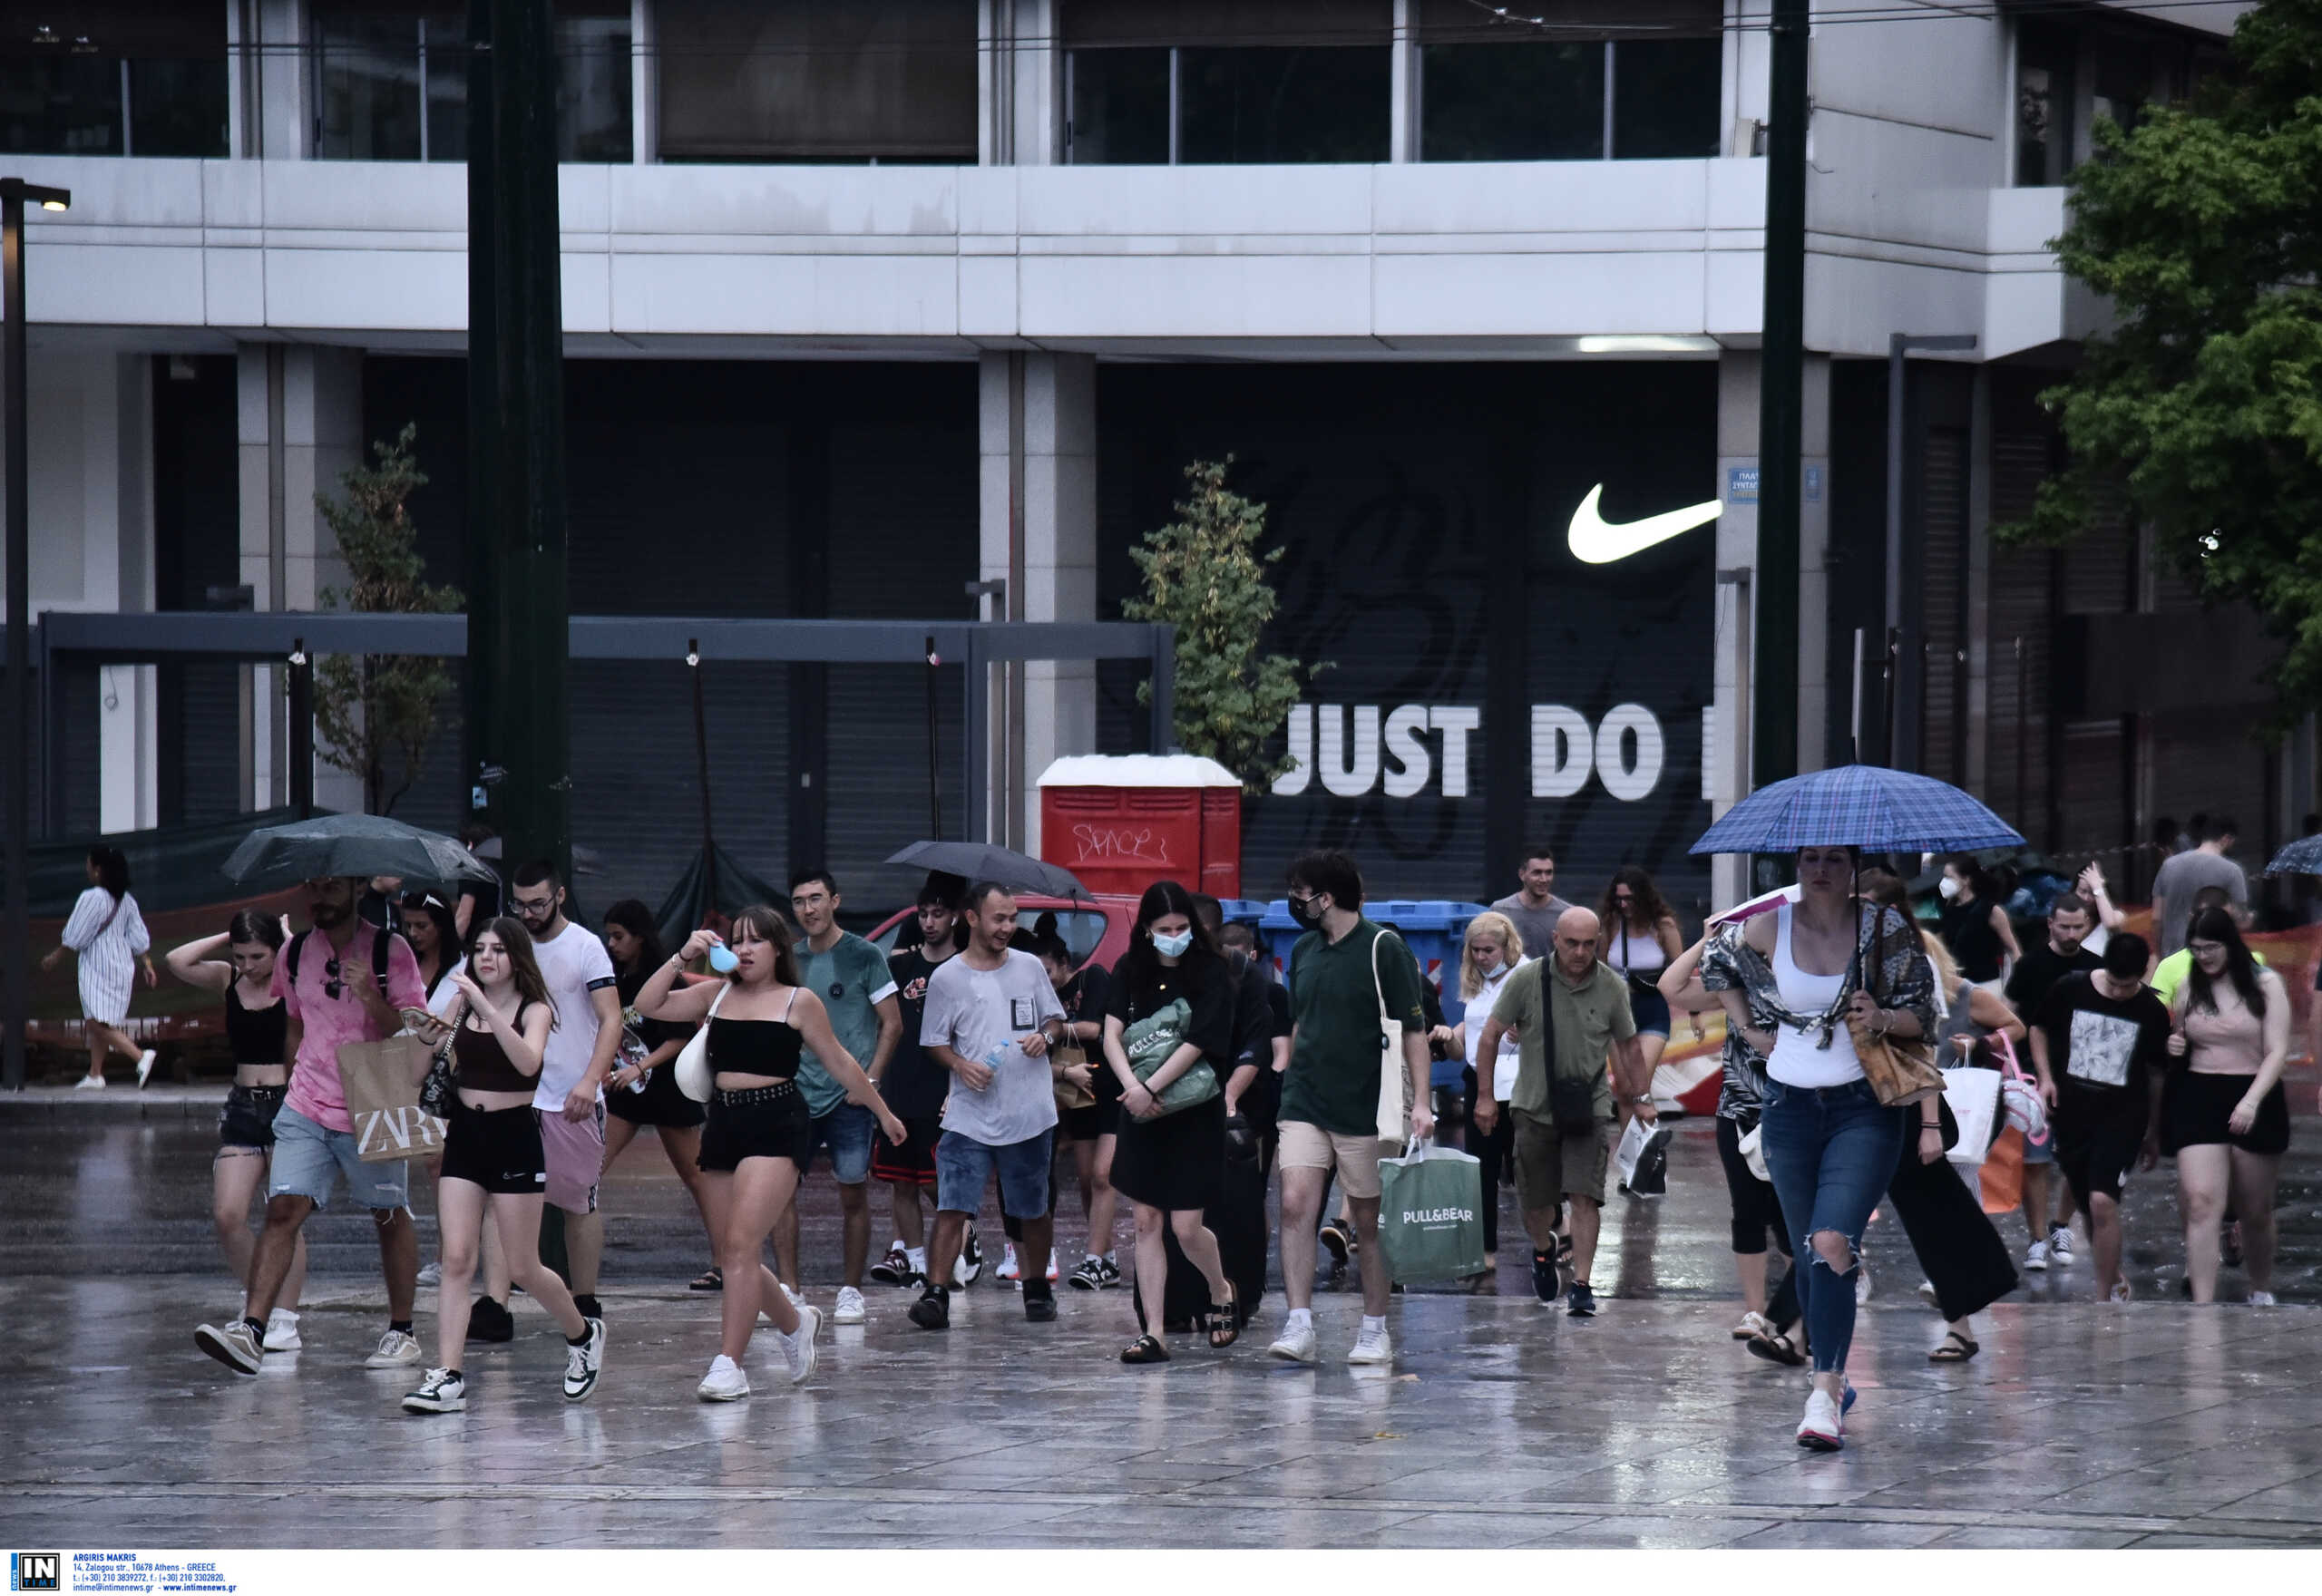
x=644 y=1090
x=1171 y=984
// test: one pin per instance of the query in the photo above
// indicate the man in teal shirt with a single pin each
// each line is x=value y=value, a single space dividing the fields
x=851 y=977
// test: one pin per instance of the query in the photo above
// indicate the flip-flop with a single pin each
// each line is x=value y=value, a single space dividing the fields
x=1954 y=1348
x=1779 y=1350
x=712 y=1279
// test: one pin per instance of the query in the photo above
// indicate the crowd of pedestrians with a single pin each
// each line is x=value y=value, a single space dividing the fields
x=960 y=1062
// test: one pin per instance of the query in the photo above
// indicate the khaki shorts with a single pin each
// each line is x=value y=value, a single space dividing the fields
x=1356 y=1158
x=1552 y=1163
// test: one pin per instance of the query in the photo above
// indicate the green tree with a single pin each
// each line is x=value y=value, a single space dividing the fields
x=376 y=712
x=1204 y=575
x=2201 y=408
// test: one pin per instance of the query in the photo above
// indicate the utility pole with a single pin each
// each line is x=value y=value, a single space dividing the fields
x=1780 y=403
x=518 y=620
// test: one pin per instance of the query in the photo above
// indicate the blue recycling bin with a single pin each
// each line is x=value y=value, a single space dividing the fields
x=1433 y=928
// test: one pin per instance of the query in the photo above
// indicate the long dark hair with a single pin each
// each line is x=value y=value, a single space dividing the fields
x=1980 y=881
x=112 y=869
x=524 y=965
x=428 y=907
x=632 y=916
x=1651 y=907
x=2215 y=925
x=768 y=922
x=1141 y=964
x=253 y=925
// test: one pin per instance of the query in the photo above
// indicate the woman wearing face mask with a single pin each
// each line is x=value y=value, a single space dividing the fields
x=1492 y=950
x=1171 y=1166
x=1974 y=926
x=257 y=1027
x=2224 y=1116
x=1829 y=1143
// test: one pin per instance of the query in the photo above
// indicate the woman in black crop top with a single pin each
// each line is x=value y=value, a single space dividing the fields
x=257 y=1027
x=759 y=1136
x=491 y=1151
x=643 y=1091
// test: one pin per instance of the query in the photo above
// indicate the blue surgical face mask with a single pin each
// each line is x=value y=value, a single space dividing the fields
x=1176 y=946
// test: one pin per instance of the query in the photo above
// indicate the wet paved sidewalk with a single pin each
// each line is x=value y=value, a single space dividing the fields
x=1502 y=1424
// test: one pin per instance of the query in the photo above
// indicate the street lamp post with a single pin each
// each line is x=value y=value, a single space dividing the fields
x=15 y=920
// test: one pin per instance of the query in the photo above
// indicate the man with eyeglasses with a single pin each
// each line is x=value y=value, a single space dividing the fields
x=344 y=982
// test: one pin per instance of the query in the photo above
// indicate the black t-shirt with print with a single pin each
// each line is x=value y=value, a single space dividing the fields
x=914 y=1084
x=2103 y=1050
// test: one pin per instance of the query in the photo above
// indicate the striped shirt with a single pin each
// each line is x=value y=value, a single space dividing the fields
x=108 y=940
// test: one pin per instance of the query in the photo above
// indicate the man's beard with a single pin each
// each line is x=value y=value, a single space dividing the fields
x=328 y=915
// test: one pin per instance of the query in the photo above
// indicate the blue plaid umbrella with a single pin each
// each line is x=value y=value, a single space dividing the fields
x=1877 y=809
x=2301 y=858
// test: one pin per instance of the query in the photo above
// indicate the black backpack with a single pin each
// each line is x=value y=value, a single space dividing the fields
x=378 y=956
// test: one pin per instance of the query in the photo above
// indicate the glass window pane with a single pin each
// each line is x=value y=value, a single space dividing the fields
x=367 y=88
x=2044 y=104
x=62 y=104
x=592 y=88
x=1665 y=96
x=1272 y=104
x=446 y=41
x=1120 y=107
x=1520 y=101
x=178 y=108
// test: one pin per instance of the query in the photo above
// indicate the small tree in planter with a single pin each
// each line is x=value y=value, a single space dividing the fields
x=374 y=712
x=1204 y=575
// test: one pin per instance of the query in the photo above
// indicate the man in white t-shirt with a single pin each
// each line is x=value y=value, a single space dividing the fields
x=990 y=1019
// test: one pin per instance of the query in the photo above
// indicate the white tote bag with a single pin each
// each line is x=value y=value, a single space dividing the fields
x=1394 y=1079
x=1972 y=1093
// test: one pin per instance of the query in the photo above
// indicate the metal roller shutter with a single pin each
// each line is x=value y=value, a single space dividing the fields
x=1943 y=553
x=2021 y=585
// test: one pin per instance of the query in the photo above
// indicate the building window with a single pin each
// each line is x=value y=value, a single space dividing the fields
x=390 y=82
x=124 y=79
x=1123 y=107
x=772 y=81
x=2070 y=72
x=1636 y=81
x=1665 y=94
x=2044 y=58
x=1520 y=101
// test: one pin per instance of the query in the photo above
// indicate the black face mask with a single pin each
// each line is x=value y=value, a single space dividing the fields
x=1307 y=916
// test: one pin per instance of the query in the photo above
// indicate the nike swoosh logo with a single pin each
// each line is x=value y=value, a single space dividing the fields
x=1598 y=541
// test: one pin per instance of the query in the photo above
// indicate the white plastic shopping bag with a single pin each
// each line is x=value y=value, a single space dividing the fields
x=1974 y=1096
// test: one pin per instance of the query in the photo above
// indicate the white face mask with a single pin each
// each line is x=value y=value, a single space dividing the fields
x=1176 y=946
x=1950 y=888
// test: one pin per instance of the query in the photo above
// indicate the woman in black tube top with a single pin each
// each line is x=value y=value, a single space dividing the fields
x=256 y=1025
x=757 y=1137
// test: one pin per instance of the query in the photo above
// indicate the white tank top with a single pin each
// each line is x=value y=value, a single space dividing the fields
x=1798 y=1058
x=1642 y=954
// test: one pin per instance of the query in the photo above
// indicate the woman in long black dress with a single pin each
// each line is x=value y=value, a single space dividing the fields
x=643 y=1091
x=1172 y=1164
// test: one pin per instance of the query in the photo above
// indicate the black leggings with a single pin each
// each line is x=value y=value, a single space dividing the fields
x=1756 y=1214
x=1496 y=1152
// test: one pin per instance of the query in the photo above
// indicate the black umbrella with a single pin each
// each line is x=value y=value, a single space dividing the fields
x=350 y=845
x=988 y=861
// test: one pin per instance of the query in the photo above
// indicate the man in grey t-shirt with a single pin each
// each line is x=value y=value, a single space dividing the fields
x=990 y=1019
x=2183 y=875
x=1536 y=909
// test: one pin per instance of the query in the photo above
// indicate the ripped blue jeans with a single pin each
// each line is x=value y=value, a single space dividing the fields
x=1832 y=1150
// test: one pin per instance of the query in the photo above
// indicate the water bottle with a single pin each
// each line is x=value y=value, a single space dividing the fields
x=722 y=959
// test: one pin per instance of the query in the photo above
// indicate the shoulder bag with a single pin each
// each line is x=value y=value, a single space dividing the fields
x=1900 y=1069
x=435 y=1091
x=693 y=1070
x=1394 y=1088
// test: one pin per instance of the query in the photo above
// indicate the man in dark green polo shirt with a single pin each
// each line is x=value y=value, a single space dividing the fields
x=1571 y=1016
x=1349 y=983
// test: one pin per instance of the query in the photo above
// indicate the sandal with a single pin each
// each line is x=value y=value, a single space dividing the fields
x=1145 y=1350
x=712 y=1279
x=1225 y=1319
x=1776 y=1348
x=1954 y=1348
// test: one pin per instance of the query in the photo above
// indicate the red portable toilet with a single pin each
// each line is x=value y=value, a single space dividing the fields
x=1121 y=822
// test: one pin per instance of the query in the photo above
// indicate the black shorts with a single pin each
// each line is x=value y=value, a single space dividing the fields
x=2096 y=1145
x=660 y=1103
x=913 y=1162
x=2195 y=1109
x=248 y=1118
x=765 y=1122
x=497 y=1148
x=1098 y=1119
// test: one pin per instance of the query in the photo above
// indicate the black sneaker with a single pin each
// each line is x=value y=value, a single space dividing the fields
x=1039 y=1310
x=1545 y=1285
x=489 y=1321
x=1580 y=1302
x=1111 y=1277
x=894 y=1269
x=1336 y=1242
x=1089 y=1276
x=932 y=1311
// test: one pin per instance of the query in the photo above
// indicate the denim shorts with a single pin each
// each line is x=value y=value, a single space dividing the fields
x=307 y=1159
x=846 y=1131
x=965 y=1166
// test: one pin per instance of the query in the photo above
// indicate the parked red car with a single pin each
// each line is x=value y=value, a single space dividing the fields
x=1096 y=928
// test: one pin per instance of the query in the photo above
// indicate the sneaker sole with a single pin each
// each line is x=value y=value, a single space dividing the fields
x=1287 y=1355
x=217 y=1347
x=1815 y=1441
x=850 y=1318
x=707 y=1395
x=412 y=1405
x=1354 y=1362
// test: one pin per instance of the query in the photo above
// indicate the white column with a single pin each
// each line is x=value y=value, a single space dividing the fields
x=284 y=105
x=1737 y=552
x=1404 y=85
x=644 y=83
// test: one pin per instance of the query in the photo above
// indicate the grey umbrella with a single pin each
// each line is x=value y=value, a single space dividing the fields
x=988 y=861
x=350 y=845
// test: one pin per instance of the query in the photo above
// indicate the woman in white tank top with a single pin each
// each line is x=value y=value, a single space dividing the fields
x=1829 y=1144
x=1640 y=936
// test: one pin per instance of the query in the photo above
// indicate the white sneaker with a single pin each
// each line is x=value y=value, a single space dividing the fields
x=1822 y=1429
x=1928 y=1295
x=725 y=1382
x=1296 y=1346
x=2262 y=1299
x=2118 y=1293
x=2060 y=1246
x=440 y=1392
x=798 y=1350
x=145 y=1066
x=90 y=1084
x=432 y=1274
x=1372 y=1347
x=282 y=1332
x=2035 y=1256
x=583 y=1363
x=1051 y=1266
x=1009 y=1269
x=850 y=1309
x=395 y=1350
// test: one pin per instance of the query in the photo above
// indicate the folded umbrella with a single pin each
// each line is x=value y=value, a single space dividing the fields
x=350 y=845
x=1865 y=806
x=988 y=861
